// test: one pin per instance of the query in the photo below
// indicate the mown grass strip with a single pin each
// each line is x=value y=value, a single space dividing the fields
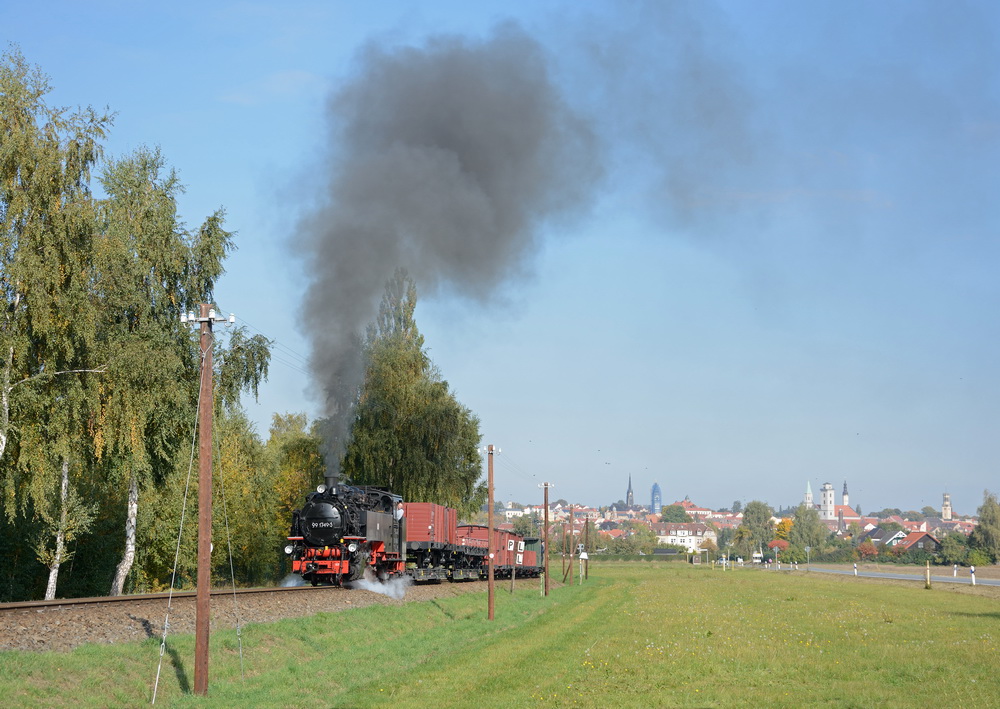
x=634 y=635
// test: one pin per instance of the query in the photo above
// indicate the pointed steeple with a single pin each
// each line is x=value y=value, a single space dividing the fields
x=629 y=497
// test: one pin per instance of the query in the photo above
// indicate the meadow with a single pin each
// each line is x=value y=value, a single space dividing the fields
x=633 y=635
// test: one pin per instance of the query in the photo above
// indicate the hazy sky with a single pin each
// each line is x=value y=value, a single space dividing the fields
x=784 y=268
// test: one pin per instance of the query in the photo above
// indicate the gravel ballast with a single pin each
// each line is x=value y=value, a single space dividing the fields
x=64 y=628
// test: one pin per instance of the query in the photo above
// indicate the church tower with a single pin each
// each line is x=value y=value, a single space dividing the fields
x=826 y=505
x=808 y=499
x=845 y=502
x=629 y=497
x=946 y=512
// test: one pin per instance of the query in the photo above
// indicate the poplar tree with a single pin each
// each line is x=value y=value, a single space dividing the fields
x=410 y=434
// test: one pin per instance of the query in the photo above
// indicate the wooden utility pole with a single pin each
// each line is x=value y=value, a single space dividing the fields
x=545 y=535
x=572 y=542
x=491 y=534
x=202 y=609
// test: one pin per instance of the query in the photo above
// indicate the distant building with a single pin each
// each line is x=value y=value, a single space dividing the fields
x=920 y=541
x=656 y=505
x=690 y=535
x=629 y=497
x=946 y=513
x=826 y=503
x=693 y=511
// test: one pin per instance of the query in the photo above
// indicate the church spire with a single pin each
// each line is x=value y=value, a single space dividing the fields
x=629 y=497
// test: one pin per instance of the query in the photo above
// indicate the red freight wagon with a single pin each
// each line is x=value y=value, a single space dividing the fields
x=430 y=540
x=430 y=524
x=504 y=545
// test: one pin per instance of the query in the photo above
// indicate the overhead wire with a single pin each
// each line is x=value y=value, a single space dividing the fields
x=180 y=532
x=229 y=544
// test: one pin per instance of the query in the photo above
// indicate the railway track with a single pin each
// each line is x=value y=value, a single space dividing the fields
x=64 y=624
x=63 y=603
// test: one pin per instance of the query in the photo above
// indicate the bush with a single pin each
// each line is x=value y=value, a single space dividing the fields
x=978 y=557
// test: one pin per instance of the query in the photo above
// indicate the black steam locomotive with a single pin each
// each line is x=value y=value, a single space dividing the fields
x=342 y=532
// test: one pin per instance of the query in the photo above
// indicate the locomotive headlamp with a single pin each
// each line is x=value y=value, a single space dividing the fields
x=288 y=549
x=352 y=547
x=321 y=489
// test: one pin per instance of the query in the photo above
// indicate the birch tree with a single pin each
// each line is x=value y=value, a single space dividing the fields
x=151 y=270
x=47 y=330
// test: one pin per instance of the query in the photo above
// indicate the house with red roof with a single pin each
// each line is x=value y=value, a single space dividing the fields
x=693 y=511
x=920 y=540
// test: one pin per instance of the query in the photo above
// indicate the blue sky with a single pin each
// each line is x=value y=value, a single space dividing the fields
x=788 y=272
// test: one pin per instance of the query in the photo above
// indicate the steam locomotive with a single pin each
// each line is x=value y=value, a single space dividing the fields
x=344 y=533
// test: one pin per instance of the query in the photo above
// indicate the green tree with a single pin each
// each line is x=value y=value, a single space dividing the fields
x=757 y=521
x=47 y=329
x=928 y=511
x=527 y=525
x=743 y=542
x=295 y=453
x=674 y=513
x=954 y=548
x=737 y=507
x=807 y=530
x=149 y=271
x=638 y=539
x=244 y=504
x=854 y=532
x=985 y=537
x=410 y=434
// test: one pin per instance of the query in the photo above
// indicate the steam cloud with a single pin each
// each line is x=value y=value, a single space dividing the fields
x=393 y=588
x=445 y=160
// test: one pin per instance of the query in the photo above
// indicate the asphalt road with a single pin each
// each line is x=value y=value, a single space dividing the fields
x=963 y=576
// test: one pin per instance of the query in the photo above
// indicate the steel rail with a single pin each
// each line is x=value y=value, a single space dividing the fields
x=70 y=602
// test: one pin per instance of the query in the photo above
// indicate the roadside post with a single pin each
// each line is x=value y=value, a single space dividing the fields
x=855 y=568
x=972 y=572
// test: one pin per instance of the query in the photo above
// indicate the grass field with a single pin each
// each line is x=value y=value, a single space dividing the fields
x=634 y=635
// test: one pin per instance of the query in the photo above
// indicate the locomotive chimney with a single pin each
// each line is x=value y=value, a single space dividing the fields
x=330 y=479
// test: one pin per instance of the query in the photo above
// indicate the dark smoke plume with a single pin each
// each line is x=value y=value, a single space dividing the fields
x=444 y=160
